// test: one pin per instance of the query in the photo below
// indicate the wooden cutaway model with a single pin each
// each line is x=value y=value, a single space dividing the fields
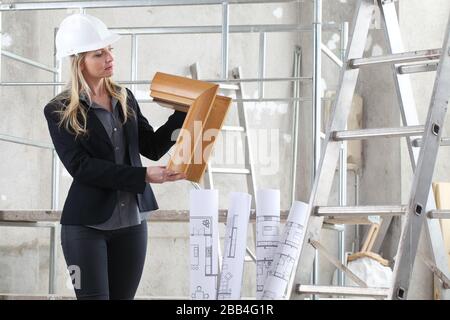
x=206 y=112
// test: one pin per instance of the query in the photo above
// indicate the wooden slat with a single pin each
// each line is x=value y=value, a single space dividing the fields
x=30 y=215
x=155 y=216
x=28 y=296
x=368 y=254
x=349 y=220
x=12 y=296
x=442 y=195
x=347 y=291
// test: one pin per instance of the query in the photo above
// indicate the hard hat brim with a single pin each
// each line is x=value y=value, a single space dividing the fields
x=99 y=45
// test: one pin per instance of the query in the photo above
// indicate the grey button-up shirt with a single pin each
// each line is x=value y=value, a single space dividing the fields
x=126 y=212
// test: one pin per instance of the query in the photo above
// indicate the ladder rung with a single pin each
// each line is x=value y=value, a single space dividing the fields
x=439 y=214
x=357 y=211
x=445 y=142
x=233 y=128
x=230 y=170
x=397 y=58
x=343 y=291
x=334 y=227
x=226 y=86
x=377 y=133
x=418 y=67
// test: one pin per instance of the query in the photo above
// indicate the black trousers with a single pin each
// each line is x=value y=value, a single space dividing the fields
x=105 y=265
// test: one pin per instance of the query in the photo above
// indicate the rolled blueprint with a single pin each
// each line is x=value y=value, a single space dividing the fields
x=203 y=223
x=234 y=247
x=287 y=252
x=267 y=234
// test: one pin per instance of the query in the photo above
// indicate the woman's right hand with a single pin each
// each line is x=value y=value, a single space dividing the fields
x=161 y=174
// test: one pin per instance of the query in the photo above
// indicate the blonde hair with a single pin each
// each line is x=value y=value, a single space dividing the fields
x=70 y=116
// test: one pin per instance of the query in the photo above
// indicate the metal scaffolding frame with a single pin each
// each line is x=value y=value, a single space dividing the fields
x=224 y=29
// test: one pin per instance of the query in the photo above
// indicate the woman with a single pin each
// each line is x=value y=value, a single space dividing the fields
x=98 y=132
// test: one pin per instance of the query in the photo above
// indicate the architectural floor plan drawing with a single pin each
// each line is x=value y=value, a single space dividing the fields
x=234 y=246
x=286 y=253
x=267 y=233
x=203 y=224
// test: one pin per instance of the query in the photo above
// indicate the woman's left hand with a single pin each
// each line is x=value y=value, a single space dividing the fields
x=160 y=174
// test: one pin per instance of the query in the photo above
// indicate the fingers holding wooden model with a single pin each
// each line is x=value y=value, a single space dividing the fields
x=160 y=174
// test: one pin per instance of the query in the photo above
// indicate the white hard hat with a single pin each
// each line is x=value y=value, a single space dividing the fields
x=80 y=33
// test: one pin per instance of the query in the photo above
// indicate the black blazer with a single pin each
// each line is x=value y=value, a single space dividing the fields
x=90 y=161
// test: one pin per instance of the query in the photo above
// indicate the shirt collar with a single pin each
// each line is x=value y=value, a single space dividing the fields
x=93 y=105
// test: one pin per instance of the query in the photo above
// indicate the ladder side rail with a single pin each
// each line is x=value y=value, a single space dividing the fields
x=243 y=121
x=423 y=176
x=408 y=111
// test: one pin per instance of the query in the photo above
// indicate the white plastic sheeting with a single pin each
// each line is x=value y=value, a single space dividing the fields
x=372 y=272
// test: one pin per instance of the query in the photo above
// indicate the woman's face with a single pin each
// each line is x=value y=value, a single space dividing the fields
x=98 y=64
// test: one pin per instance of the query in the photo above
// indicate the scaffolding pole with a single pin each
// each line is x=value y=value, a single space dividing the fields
x=225 y=38
x=61 y=5
x=316 y=108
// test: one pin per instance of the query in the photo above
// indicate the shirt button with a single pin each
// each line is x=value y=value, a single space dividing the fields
x=117 y=148
x=122 y=204
x=115 y=129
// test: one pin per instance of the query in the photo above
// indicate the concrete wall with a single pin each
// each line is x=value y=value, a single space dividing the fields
x=26 y=171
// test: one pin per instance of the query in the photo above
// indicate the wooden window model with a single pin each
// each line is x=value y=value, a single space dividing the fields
x=205 y=110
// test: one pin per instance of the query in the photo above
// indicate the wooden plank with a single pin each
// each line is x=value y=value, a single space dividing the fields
x=11 y=296
x=368 y=254
x=30 y=215
x=442 y=195
x=347 y=291
x=15 y=296
x=370 y=237
x=155 y=216
x=347 y=220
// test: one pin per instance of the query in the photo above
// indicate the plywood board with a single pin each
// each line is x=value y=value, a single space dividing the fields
x=442 y=195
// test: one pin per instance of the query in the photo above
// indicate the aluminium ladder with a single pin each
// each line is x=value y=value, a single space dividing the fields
x=421 y=206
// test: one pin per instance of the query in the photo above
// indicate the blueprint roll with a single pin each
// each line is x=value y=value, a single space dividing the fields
x=287 y=252
x=235 y=243
x=203 y=241
x=268 y=202
x=267 y=233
